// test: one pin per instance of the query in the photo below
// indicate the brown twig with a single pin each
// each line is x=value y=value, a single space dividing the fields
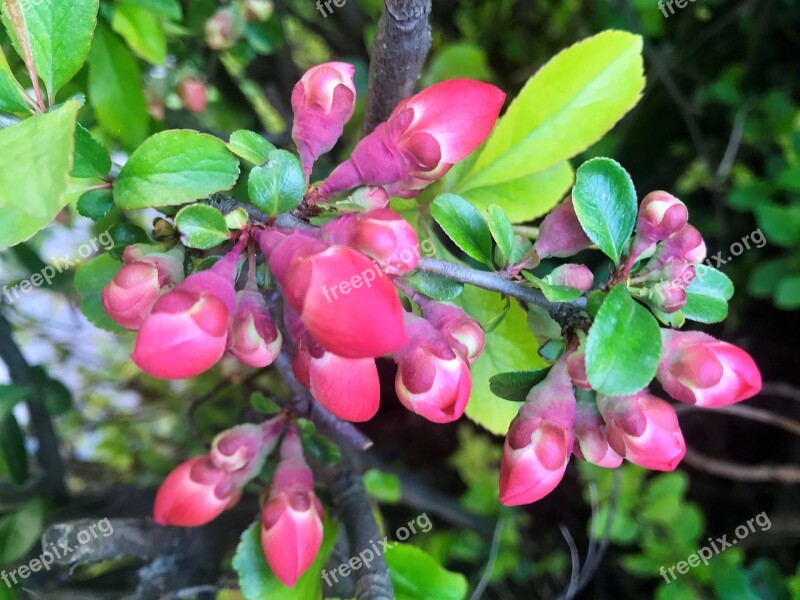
x=747 y=473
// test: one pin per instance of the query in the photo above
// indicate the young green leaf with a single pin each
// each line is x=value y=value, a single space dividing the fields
x=464 y=225
x=175 y=167
x=502 y=231
x=278 y=186
x=115 y=89
x=384 y=487
x=787 y=294
x=60 y=33
x=605 y=202
x=416 y=575
x=434 y=286
x=250 y=146
x=169 y=9
x=201 y=226
x=91 y=159
x=554 y=293
x=237 y=218
x=516 y=385
x=12 y=95
x=623 y=346
x=257 y=580
x=35 y=181
x=95 y=204
x=707 y=296
x=142 y=30
x=569 y=104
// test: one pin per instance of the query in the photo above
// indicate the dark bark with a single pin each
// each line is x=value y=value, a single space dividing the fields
x=402 y=41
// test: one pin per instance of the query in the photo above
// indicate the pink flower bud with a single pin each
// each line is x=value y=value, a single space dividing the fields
x=591 y=442
x=660 y=215
x=576 y=368
x=699 y=369
x=381 y=234
x=194 y=494
x=348 y=387
x=679 y=271
x=463 y=333
x=686 y=244
x=368 y=198
x=243 y=449
x=130 y=296
x=423 y=138
x=254 y=338
x=540 y=440
x=192 y=92
x=344 y=300
x=432 y=380
x=323 y=101
x=575 y=276
x=644 y=429
x=668 y=296
x=223 y=29
x=561 y=234
x=291 y=533
x=187 y=331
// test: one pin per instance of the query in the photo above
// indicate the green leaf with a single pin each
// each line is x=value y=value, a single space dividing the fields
x=780 y=223
x=90 y=279
x=569 y=104
x=605 y=202
x=707 y=296
x=10 y=396
x=516 y=385
x=57 y=397
x=125 y=234
x=464 y=225
x=250 y=146
x=175 y=167
x=12 y=95
x=623 y=346
x=34 y=183
x=91 y=159
x=265 y=37
x=20 y=530
x=434 y=286
x=115 y=89
x=169 y=9
x=384 y=487
x=201 y=226
x=787 y=294
x=462 y=60
x=13 y=455
x=523 y=198
x=259 y=583
x=278 y=186
x=554 y=293
x=60 y=34
x=416 y=575
x=95 y=204
x=502 y=230
x=237 y=218
x=143 y=32
x=263 y=404
x=510 y=347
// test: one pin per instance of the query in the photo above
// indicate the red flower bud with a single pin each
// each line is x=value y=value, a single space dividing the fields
x=591 y=442
x=463 y=333
x=344 y=300
x=432 y=380
x=644 y=429
x=686 y=244
x=192 y=92
x=187 y=331
x=381 y=234
x=323 y=101
x=194 y=494
x=291 y=533
x=130 y=296
x=423 y=138
x=561 y=234
x=576 y=367
x=540 y=440
x=348 y=387
x=699 y=369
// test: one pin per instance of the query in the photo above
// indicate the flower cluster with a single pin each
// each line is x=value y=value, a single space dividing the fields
x=556 y=421
x=202 y=488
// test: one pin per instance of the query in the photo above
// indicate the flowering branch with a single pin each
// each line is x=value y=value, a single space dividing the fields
x=402 y=41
